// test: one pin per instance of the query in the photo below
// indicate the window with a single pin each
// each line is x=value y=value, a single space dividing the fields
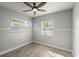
x=18 y=25
x=47 y=28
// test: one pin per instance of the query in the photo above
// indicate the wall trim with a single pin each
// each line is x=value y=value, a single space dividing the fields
x=9 y=50
x=19 y=46
x=52 y=46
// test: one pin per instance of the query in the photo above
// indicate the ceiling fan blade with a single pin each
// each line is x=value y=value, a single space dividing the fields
x=41 y=10
x=41 y=4
x=26 y=3
x=34 y=12
x=26 y=10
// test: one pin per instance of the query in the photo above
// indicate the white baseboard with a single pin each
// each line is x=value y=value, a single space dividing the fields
x=9 y=50
x=53 y=46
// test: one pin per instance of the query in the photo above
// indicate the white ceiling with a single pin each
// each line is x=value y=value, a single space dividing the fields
x=50 y=7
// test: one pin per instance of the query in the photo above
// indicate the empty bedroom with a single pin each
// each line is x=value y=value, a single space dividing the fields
x=39 y=29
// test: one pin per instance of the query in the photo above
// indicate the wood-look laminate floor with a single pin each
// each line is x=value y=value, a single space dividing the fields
x=37 y=50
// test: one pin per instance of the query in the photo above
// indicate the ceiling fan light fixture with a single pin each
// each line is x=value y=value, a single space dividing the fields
x=34 y=9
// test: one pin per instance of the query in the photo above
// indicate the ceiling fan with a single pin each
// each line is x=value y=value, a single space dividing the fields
x=34 y=7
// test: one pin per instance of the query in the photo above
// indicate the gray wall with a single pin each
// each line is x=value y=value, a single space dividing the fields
x=9 y=39
x=62 y=24
x=76 y=29
x=63 y=29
